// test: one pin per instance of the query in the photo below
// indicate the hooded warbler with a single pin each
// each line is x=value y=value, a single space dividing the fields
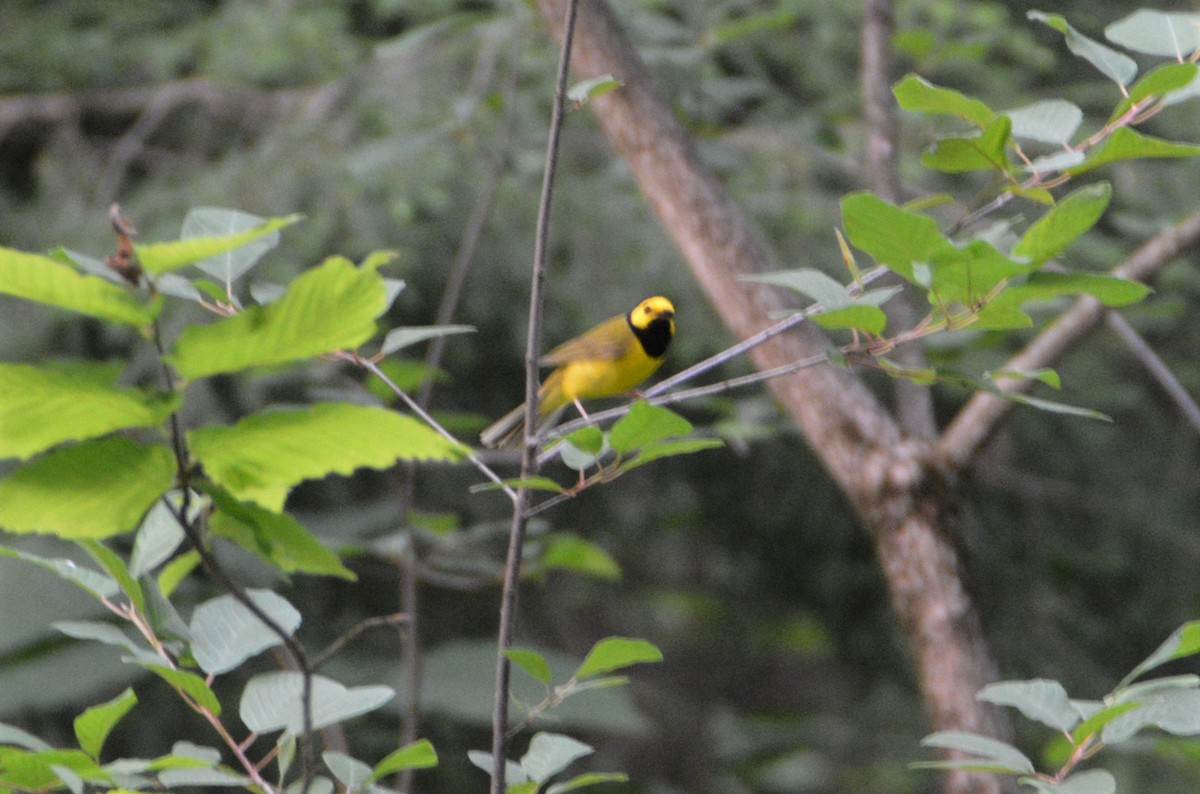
x=610 y=359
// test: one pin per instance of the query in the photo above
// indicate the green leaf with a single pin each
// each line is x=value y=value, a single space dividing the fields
x=199 y=777
x=573 y=553
x=614 y=653
x=895 y=237
x=176 y=571
x=586 y=90
x=999 y=756
x=1126 y=144
x=1064 y=223
x=528 y=483
x=277 y=538
x=531 y=662
x=514 y=775
x=272 y=701
x=225 y=633
x=982 y=152
x=97 y=584
x=417 y=755
x=93 y=726
x=1045 y=375
x=645 y=424
x=399 y=338
x=353 y=774
x=263 y=456
x=1168 y=35
x=551 y=753
x=157 y=538
x=331 y=307
x=12 y=735
x=162 y=257
x=1091 y=781
x=828 y=292
x=188 y=683
x=870 y=319
x=1039 y=699
x=1116 y=66
x=587 y=779
x=577 y=458
x=1160 y=82
x=93 y=630
x=1109 y=290
x=92 y=490
x=1098 y=721
x=44 y=406
x=588 y=440
x=1184 y=641
x=920 y=96
x=668 y=449
x=42 y=279
x=216 y=223
x=1051 y=406
x=1048 y=121
x=115 y=566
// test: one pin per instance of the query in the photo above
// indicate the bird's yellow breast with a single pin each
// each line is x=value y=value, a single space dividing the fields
x=589 y=379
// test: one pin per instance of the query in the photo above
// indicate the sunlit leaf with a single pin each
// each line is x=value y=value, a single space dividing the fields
x=93 y=726
x=667 y=449
x=586 y=90
x=331 y=307
x=163 y=257
x=417 y=755
x=176 y=571
x=870 y=319
x=1127 y=144
x=263 y=456
x=92 y=490
x=573 y=553
x=1184 y=641
x=41 y=406
x=1160 y=82
x=645 y=424
x=190 y=684
x=114 y=565
x=42 y=279
x=272 y=701
x=614 y=653
x=586 y=780
x=1054 y=232
x=895 y=237
x=531 y=662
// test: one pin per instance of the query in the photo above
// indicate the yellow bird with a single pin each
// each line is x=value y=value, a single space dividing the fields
x=610 y=359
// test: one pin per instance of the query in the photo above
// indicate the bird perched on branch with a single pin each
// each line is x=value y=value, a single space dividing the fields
x=610 y=359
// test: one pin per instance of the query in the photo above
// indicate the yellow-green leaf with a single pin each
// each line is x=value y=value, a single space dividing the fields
x=42 y=279
x=163 y=257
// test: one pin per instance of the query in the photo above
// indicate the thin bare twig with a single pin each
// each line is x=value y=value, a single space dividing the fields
x=1157 y=368
x=529 y=464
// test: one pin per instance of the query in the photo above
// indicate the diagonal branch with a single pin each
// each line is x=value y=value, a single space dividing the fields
x=984 y=412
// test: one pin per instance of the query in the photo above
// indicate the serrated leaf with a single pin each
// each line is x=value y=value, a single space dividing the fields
x=167 y=256
x=551 y=753
x=1184 y=641
x=276 y=537
x=272 y=701
x=1168 y=35
x=263 y=456
x=417 y=755
x=215 y=222
x=828 y=292
x=399 y=338
x=225 y=633
x=1003 y=755
x=1064 y=223
x=41 y=407
x=1127 y=144
x=190 y=684
x=645 y=424
x=331 y=307
x=1042 y=700
x=920 y=96
x=95 y=489
x=982 y=152
x=614 y=653
x=1116 y=66
x=1048 y=121
x=42 y=279
x=870 y=319
x=531 y=662
x=93 y=726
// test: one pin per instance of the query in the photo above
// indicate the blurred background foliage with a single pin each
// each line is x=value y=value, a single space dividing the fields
x=384 y=122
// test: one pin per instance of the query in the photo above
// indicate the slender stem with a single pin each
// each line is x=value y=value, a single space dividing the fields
x=529 y=463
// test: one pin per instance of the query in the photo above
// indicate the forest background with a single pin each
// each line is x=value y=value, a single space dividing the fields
x=405 y=126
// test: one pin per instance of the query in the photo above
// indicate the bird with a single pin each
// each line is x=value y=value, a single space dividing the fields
x=610 y=359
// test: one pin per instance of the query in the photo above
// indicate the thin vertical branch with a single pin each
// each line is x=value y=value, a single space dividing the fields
x=529 y=462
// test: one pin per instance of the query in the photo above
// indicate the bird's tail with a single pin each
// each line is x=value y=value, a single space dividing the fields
x=505 y=431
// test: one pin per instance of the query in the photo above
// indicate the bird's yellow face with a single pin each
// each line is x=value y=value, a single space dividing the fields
x=652 y=309
x=653 y=323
